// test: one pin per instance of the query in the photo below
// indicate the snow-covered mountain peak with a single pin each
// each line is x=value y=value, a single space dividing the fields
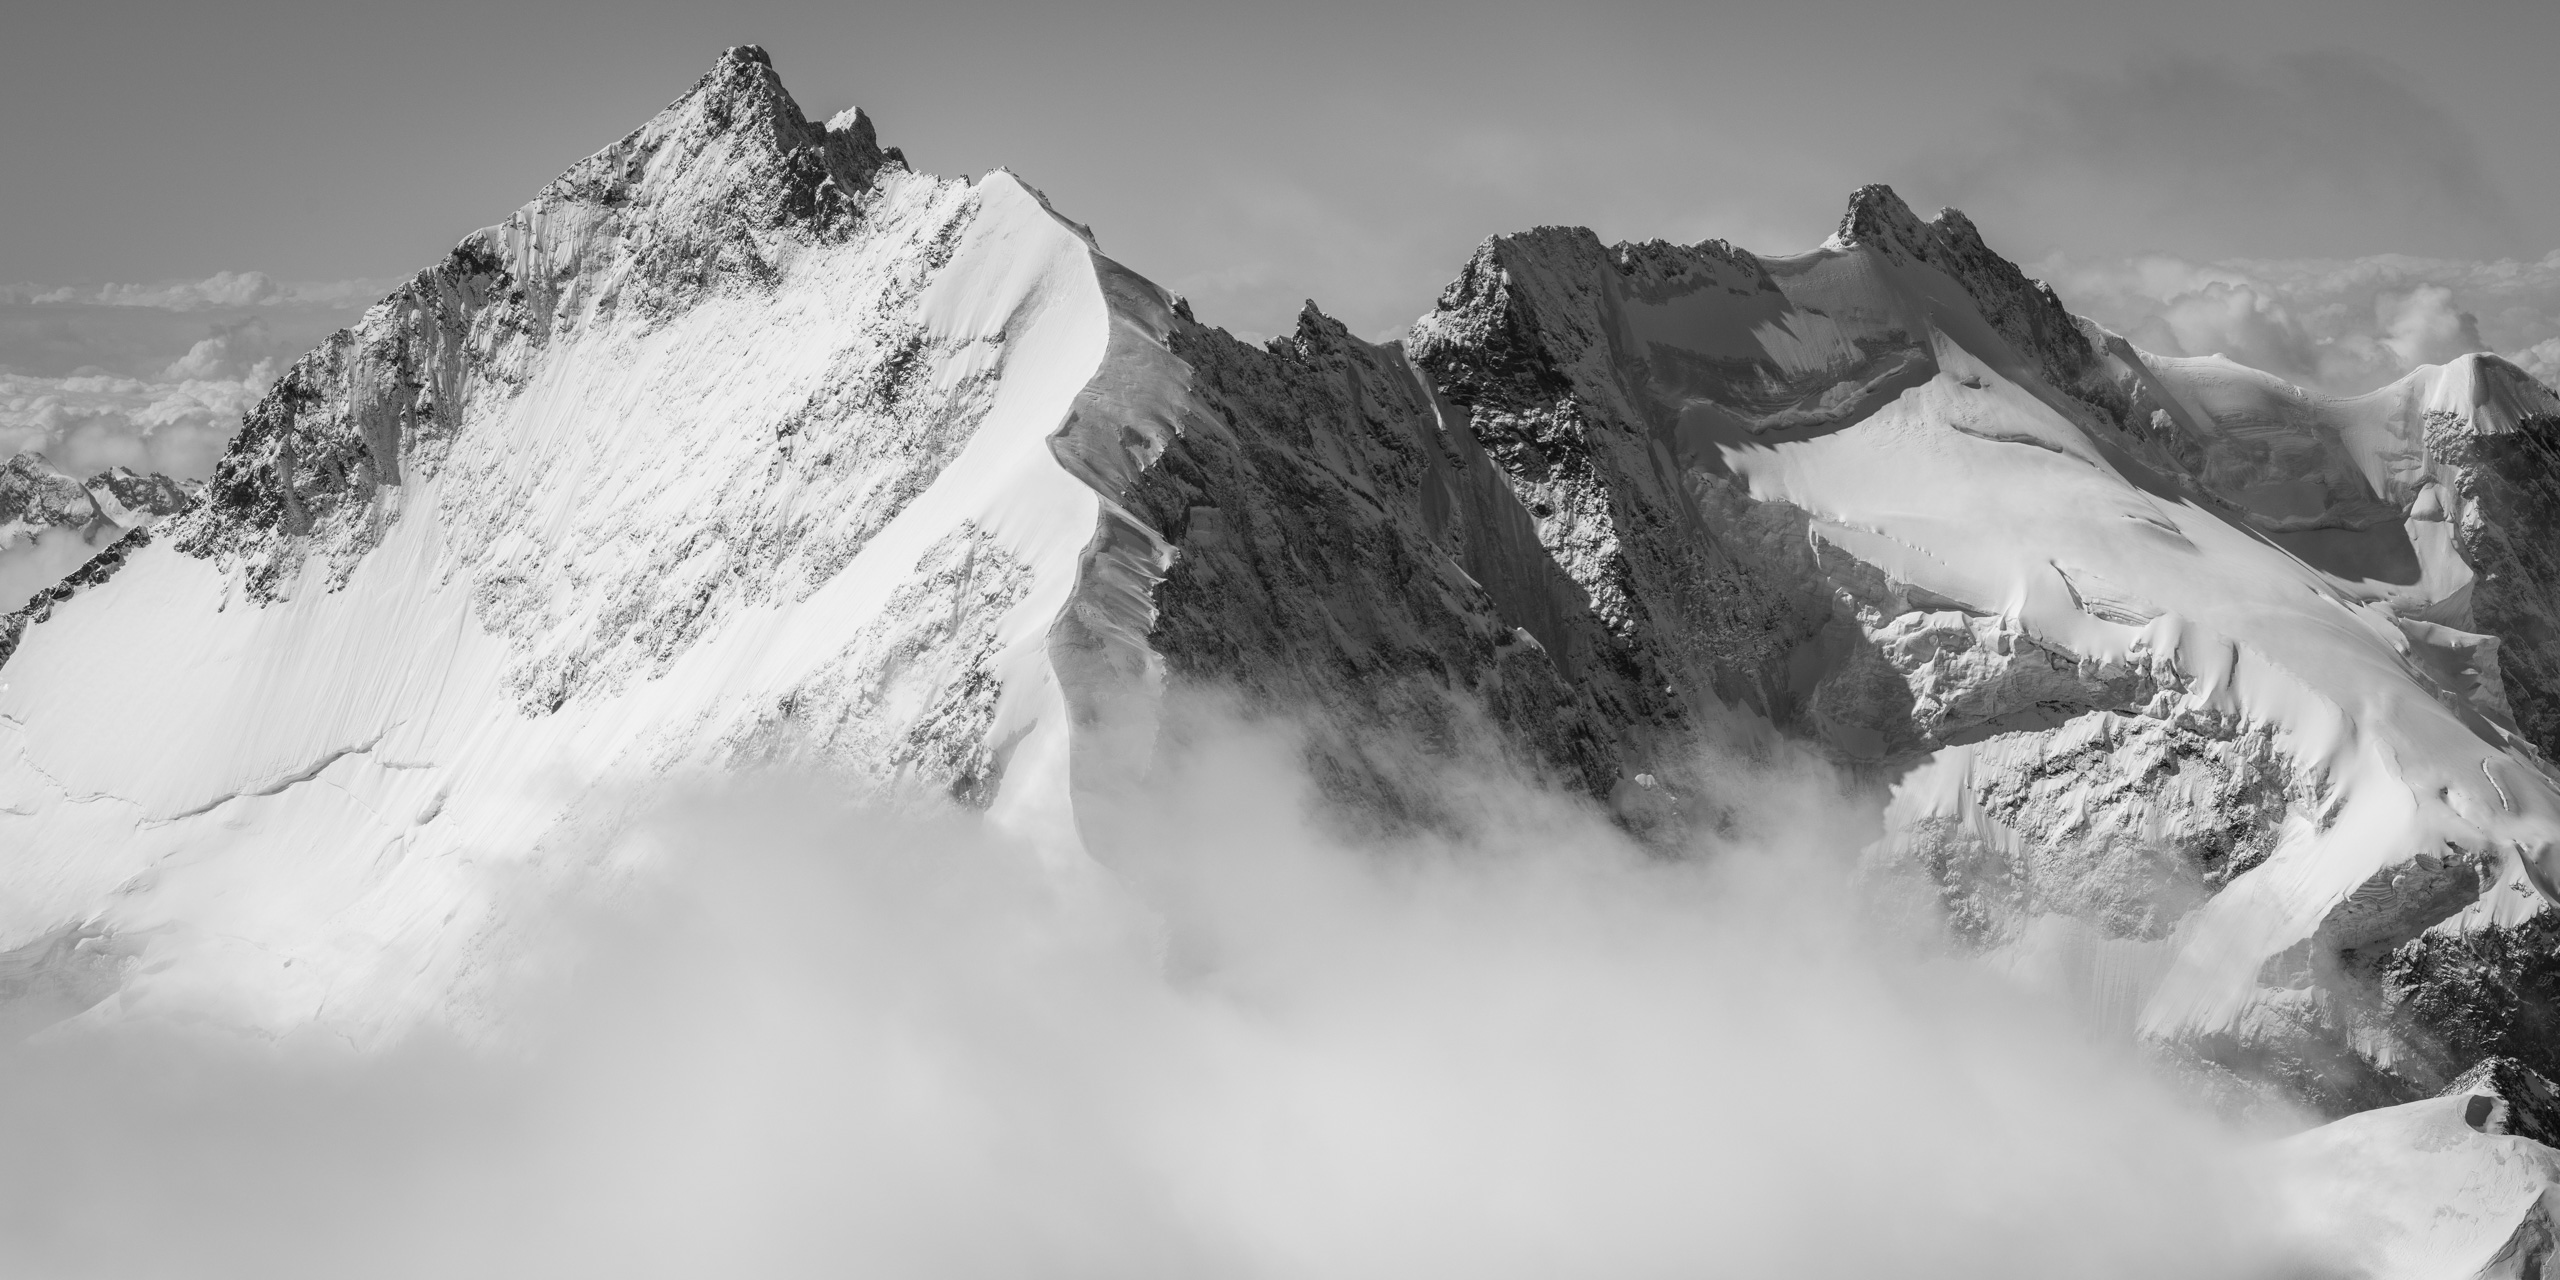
x=128 y=498
x=36 y=496
x=2025 y=311
x=2487 y=390
x=733 y=150
x=732 y=445
x=34 y=493
x=1878 y=216
x=721 y=195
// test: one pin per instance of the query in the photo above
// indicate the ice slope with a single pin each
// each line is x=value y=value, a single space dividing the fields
x=2138 y=740
x=736 y=443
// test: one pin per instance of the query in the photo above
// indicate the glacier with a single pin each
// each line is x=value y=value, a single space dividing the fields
x=2184 y=714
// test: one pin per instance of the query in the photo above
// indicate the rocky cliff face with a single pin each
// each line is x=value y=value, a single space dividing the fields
x=2501 y=491
x=1701 y=591
x=1346 y=552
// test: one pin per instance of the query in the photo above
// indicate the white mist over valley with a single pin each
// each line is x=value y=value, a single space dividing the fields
x=812 y=1036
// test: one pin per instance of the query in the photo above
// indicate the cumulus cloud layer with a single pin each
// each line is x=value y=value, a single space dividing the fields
x=2313 y=215
x=220 y=290
x=152 y=377
x=2341 y=324
x=818 y=1040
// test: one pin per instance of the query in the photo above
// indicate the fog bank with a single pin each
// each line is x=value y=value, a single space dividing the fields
x=812 y=1037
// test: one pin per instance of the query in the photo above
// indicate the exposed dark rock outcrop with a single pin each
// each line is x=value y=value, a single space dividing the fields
x=2490 y=992
x=1345 y=551
x=2511 y=479
x=1691 y=578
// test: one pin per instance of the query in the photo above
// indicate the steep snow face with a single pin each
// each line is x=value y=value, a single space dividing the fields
x=2156 y=722
x=734 y=444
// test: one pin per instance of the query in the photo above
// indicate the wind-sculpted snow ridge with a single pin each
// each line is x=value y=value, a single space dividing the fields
x=2172 y=670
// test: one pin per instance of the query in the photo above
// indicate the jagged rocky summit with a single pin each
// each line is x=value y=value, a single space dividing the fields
x=2222 y=702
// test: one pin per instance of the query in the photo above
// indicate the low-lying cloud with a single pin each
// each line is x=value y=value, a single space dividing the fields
x=89 y=422
x=221 y=290
x=817 y=1039
x=153 y=377
x=2344 y=325
x=2314 y=215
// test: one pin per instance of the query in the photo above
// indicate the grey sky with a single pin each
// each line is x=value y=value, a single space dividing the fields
x=1255 y=154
